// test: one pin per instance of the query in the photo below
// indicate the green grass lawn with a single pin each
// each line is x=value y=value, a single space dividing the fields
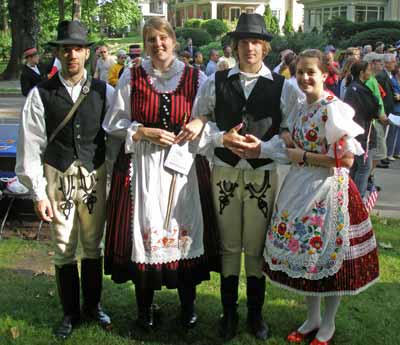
x=29 y=306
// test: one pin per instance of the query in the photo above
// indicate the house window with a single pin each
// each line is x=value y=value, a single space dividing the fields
x=234 y=13
x=277 y=13
x=249 y=10
x=369 y=13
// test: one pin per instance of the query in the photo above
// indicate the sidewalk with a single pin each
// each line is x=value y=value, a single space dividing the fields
x=388 y=204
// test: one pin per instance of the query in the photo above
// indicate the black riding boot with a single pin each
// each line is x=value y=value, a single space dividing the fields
x=144 y=301
x=229 y=296
x=187 y=296
x=255 y=302
x=67 y=279
x=92 y=283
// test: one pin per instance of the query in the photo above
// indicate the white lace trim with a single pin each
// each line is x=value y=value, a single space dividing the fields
x=361 y=229
x=325 y=293
x=361 y=249
x=332 y=225
x=164 y=82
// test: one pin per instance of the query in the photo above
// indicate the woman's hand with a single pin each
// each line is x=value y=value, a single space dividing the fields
x=295 y=154
x=287 y=138
x=155 y=135
x=190 y=131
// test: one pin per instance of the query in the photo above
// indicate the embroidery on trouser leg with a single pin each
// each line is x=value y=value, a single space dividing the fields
x=260 y=194
x=89 y=198
x=66 y=187
x=226 y=190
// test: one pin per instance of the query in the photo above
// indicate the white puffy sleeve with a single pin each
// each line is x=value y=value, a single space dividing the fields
x=117 y=121
x=340 y=125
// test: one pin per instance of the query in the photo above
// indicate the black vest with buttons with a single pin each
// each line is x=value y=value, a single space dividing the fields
x=261 y=107
x=83 y=137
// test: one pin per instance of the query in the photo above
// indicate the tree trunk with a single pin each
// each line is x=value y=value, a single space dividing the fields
x=61 y=12
x=24 y=33
x=76 y=10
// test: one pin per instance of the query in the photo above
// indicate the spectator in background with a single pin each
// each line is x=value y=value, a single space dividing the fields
x=366 y=107
x=287 y=60
x=32 y=72
x=397 y=46
x=384 y=79
x=185 y=57
x=282 y=56
x=228 y=57
x=212 y=63
x=375 y=60
x=103 y=65
x=222 y=65
x=393 y=140
x=190 y=48
x=379 y=47
x=93 y=60
x=344 y=81
x=113 y=74
x=366 y=50
x=352 y=52
x=199 y=62
x=332 y=80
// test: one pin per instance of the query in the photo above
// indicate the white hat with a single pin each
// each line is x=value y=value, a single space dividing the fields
x=373 y=57
x=121 y=52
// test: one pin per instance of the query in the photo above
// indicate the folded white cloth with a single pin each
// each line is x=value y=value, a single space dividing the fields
x=14 y=186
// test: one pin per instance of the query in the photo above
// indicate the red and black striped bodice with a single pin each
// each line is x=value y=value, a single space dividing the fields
x=163 y=110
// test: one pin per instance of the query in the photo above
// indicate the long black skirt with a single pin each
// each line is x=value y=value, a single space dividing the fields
x=118 y=244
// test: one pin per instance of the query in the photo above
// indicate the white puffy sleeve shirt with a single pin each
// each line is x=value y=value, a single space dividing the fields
x=32 y=138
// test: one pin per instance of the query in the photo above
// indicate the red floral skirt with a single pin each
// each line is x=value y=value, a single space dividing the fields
x=118 y=241
x=360 y=268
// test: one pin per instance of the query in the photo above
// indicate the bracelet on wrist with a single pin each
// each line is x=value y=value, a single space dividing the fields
x=305 y=157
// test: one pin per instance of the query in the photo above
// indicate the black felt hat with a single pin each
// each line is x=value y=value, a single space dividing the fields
x=251 y=25
x=71 y=32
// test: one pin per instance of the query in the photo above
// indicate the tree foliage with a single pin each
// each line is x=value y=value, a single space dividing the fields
x=215 y=27
x=287 y=27
x=118 y=14
x=271 y=22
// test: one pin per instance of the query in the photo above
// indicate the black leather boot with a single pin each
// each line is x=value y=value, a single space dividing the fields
x=92 y=283
x=229 y=296
x=67 y=279
x=255 y=302
x=146 y=310
x=187 y=296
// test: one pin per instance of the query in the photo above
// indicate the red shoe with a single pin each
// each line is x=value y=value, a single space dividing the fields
x=318 y=342
x=297 y=337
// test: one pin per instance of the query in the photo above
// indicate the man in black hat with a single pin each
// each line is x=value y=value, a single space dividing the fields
x=63 y=165
x=240 y=106
x=32 y=72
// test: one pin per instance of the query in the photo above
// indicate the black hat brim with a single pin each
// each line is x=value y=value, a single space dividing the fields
x=245 y=34
x=70 y=42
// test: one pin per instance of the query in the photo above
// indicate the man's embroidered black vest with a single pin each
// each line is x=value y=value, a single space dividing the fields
x=260 y=113
x=83 y=137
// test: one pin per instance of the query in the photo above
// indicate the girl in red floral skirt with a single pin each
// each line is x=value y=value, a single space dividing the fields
x=320 y=242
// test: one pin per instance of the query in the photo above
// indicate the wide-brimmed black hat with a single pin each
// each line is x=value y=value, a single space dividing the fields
x=71 y=32
x=251 y=25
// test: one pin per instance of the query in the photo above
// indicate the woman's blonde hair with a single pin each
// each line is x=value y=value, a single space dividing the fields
x=159 y=24
x=265 y=44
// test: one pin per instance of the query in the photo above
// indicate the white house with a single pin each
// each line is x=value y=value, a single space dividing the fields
x=231 y=9
x=318 y=12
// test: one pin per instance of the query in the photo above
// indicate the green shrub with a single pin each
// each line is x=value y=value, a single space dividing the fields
x=340 y=29
x=372 y=36
x=198 y=36
x=5 y=45
x=215 y=27
x=193 y=23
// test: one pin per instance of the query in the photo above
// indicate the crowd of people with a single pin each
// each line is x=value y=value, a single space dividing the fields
x=195 y=185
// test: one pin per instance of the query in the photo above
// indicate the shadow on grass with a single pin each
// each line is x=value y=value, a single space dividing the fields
x=30 y=303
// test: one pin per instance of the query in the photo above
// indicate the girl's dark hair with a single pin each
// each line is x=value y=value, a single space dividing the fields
x=317 y=54
x=356 y=69
x=396 y=70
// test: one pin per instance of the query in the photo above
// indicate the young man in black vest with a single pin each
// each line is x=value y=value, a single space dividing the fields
x=32 y=72
x=239 y=107
x=66 y=172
